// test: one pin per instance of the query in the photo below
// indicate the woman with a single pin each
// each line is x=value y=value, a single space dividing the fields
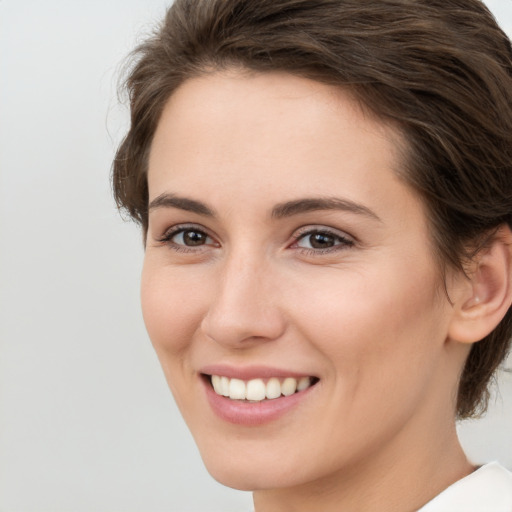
x=325 y=193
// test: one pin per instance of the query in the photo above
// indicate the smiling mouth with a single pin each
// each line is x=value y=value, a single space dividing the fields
x=258 y=390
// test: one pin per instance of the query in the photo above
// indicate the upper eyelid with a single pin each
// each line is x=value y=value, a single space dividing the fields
x=177 y=228
x=312 y=228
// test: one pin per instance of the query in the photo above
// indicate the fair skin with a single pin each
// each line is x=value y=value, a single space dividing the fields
x=248 y=275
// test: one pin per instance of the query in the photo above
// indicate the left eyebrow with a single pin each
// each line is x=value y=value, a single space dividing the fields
x=320 y=203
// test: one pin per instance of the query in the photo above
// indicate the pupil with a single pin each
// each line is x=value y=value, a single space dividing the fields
x=321 y=241
x=193 y=238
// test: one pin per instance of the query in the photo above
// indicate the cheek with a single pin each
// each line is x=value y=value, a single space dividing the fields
x=382 y=339
x=171 y=308
x=367 y=320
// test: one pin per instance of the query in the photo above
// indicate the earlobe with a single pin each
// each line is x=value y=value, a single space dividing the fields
x=487 y=294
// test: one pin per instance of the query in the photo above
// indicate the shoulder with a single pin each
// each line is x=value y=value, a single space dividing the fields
x=488 y=489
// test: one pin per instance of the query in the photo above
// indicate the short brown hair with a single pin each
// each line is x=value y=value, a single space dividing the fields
x=439 y=70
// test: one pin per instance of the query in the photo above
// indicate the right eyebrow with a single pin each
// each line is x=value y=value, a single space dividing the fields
x=167 y=200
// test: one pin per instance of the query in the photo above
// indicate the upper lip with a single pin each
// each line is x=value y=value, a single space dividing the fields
x=250 y=372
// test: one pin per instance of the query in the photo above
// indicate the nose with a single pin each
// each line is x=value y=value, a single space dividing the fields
x=245 y=308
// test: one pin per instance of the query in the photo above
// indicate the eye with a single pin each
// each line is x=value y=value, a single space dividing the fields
x=184 y=238
x=318 y=240
x=190 y=238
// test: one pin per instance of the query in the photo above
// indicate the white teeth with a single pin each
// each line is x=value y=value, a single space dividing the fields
x=237 y=389
x=289 y=386
x=273 y=388
x=216 y=384
x=224 y=386
x=303 y=384
x=256 y=390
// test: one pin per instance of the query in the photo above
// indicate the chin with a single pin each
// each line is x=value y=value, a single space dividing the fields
x=242 y=481
x=249 y=476
x=233 y=465
x=259 y=464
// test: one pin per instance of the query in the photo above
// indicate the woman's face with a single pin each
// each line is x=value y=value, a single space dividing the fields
x=283 y=251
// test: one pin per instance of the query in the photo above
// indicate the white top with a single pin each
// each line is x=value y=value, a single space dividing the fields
x=488 y=489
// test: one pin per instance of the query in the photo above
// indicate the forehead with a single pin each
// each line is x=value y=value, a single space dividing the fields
x=271 y=125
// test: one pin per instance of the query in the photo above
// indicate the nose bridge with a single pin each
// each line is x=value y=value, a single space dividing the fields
x=245 y=303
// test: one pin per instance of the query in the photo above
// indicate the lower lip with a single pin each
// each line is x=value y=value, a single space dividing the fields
x=253 y=413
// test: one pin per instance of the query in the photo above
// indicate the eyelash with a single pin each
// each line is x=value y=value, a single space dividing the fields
x=343 y=242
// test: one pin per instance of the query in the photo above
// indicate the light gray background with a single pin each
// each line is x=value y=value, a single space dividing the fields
x=86 y=420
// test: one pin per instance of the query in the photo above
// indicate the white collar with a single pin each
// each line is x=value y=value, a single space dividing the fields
x=488 y=489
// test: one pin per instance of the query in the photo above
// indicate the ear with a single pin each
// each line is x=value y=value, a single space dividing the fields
x=486 y=295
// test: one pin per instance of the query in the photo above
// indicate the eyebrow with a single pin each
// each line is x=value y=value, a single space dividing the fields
x=280 y=211
x=315 y=204
x=167 y=200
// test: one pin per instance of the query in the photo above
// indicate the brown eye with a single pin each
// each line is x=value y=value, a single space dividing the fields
x=318 y=240
x=194 y=238
x=190 y=238
x=321 y=240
